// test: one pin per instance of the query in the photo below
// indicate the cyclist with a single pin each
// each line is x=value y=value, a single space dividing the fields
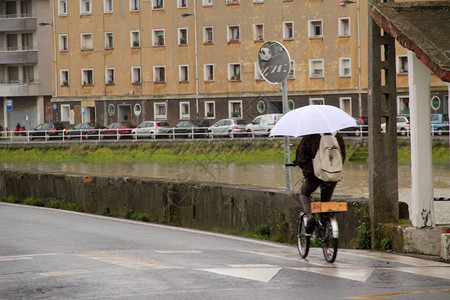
x=305 y=153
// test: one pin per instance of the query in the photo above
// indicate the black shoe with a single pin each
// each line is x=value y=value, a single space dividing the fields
x=310 y=223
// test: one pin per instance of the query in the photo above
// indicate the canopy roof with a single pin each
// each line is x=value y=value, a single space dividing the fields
x=422 y=27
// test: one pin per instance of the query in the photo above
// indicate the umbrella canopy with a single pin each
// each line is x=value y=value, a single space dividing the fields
x=312 y=119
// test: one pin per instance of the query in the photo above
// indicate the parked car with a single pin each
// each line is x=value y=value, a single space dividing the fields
x=47 y=131
x=151 y=129
x=262 y=125
x=187 y=129
x=117 y=130
x=403 y=127
x=228 y=127
x=439 y=124
x=84 y=130
x=362 y=128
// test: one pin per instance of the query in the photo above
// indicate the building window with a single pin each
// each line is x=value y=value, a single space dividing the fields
x=210 y=109
x=402 y=64
x=108 y=6
x=27 y=41
x=109 y=40
x=344 y=27
x=62 y=7
x=258 y=75
x=208 y=35
x=315 y=29
x=13 y=74
x=403 y=105
x=258 y=1
x=160 y=110
x=184 y=73
x=346 y=105
x=28 y=74
x=64 y=78
x=233 y=34
x=159 y=74
x=87 y=76
x=134 y=5
x=65 y=112
x=182 y=36
x=316 y=68
x=235 y=109
x=209 y=72
x=233 y=2
x=316 y=101
x=182 y=3
x=158 y=4
x=135 y=39
x=158 y=37
x=207 y=2
x=345 y=67
x=86 y=41
x=288 y=30
x=109 y=75
x=85 y=7
x=136 y=75
x=184 y=111
x=291 y=74
x=63 y=42
x=234 y=72
x=259 y=32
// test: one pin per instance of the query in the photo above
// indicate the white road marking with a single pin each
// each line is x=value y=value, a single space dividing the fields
x=61 y=273
x=407 y=260
x=13 y=258
x=25 y=256
x=438 y=272
x=257 y=274
x=177 y=251
x=351 y=273
x=127 y=261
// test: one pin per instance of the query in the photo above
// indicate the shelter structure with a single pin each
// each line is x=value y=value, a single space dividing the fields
x=424 y=29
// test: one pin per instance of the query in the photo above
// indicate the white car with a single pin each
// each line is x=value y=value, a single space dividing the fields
x=228 y=127
x=265 y=54
x=402 y=125
x=151 y=129
x=262 y=124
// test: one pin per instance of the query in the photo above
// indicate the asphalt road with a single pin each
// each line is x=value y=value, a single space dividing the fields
x=53 y=254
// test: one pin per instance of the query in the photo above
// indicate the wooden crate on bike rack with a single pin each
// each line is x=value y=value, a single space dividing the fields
x=321 y=207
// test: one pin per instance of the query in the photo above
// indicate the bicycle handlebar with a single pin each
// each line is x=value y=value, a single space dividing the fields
x=290 y=165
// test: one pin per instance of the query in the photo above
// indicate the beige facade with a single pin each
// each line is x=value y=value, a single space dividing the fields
x=136 y=60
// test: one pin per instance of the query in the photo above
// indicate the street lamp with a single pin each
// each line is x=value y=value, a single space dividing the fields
x=196 y=54
x=343 y=3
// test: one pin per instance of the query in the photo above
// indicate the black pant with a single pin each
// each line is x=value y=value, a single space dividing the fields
x=309 y=186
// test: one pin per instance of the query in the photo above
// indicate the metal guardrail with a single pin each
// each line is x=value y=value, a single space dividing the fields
x=118 y=134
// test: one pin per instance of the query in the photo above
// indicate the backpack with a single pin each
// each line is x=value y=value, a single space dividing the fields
x=328 y=160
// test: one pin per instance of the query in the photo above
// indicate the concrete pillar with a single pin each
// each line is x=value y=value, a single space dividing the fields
x=422 y=205
x=383 y=175
x=40 y=110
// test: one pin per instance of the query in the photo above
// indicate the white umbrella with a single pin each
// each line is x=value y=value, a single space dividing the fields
x=312 y=119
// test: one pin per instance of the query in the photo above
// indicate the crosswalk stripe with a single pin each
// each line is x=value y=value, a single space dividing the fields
x=357 y=274
x=127 y=261
x=438 y=272
x=262 y=274
x=61 y=273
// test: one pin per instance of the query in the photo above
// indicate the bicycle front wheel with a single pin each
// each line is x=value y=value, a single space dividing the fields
x=303 y=239
x=329 y=243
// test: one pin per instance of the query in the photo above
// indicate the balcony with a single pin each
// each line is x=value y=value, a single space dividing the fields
x=19 y=88
x=18 y=57
x=17 y=23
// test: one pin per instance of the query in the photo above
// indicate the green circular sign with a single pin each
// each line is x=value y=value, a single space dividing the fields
x=111 y=110
x=435 y=103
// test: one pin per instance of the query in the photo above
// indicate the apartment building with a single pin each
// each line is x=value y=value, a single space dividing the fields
x=25 y=63
x=135 y=60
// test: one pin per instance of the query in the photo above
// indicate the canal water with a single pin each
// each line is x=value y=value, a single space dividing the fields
x=354 y=184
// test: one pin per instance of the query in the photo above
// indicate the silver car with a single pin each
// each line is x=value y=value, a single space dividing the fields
x=228 y=127
x=151 y=129
x=403 y=126
x=262 y=124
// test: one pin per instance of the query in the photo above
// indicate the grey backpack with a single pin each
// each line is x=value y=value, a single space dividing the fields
x=328 y=160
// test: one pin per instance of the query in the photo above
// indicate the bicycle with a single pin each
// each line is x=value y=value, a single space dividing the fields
x=326 y=230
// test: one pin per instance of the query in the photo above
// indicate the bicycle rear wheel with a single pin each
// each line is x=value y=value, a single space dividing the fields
x=329 y=243
x=303 y=239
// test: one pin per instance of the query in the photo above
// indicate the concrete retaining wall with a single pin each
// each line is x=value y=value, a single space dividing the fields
x=189 y=204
